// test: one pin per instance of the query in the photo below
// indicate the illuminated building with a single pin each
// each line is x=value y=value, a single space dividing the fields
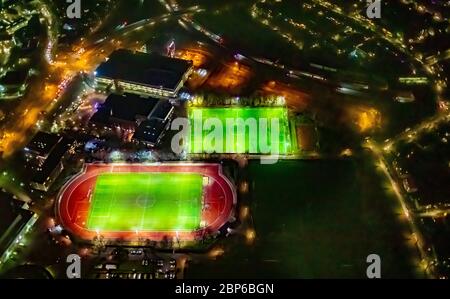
x=124 y=111
x=142 y=73
x=151 y=131
x=15 y=223
x=45 y=156
x=146 y=118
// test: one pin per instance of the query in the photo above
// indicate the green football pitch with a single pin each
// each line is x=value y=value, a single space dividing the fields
x=239 y=130
x=146 y=202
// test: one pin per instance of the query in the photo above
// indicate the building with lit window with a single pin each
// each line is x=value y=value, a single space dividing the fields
x=124 y=111
x=16 y=221
x=151 y=131
x=45 y=156
x=141 y=73
x=143 y=120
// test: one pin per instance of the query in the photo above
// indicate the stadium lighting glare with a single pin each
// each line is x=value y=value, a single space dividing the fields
x=250 y=235
x=244 y=187
x=244 y=212
x=216 y=252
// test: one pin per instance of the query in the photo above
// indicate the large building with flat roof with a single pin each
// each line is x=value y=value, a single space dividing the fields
x=41 y=145
x=143 y=119
x=142 y=73
x=124 y=111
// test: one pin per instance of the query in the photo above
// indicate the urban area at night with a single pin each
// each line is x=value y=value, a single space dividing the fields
x=239 y=139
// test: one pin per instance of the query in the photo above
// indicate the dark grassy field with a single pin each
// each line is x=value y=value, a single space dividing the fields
x=316 y=219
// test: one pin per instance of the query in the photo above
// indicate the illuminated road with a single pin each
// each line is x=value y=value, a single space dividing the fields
x=426 y=259
x=435 y=213
x=44 y=94
x=411 y=134
x=27 y=112
x=431 y=60
x=265 y=18
x=387 y=36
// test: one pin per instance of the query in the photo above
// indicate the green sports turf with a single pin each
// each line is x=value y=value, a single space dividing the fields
x=209 y=138
x=146 y=202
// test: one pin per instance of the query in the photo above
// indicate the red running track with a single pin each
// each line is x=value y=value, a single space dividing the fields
x=74 y=200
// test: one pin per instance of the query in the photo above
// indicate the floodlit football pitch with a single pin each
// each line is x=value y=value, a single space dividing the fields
x=262 y=130
x=135 y=202
x=146 y=201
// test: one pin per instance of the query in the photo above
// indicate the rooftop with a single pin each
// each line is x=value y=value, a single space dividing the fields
x=43 y=143
x=162 y=110
x=126 y=107
x=150 y=130
x=44 y=171
x=148 y=69
x=13 y=219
